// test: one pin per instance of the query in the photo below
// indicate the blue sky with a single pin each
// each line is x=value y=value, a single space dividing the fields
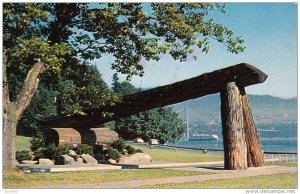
x=270 y=33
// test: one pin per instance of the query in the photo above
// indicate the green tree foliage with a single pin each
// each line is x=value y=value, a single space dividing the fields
x=73 y=90
x=26 y=27
x=43 y=103
x=122 y=88
x=163 y=123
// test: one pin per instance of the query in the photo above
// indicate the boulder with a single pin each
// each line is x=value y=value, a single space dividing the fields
x=111 y=161
x=79 y=161
x=72 y=153
x=89 y=159
x=30 y=162
x=138 y=158
x=44 y=161
x=66 y=160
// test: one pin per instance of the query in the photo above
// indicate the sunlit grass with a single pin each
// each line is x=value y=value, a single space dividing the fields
x=170 y=155
x=287 y=181
x=291 y=164
x=18 y=179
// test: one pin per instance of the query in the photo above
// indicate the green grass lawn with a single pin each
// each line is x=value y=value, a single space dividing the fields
x=23 y=143
x=170 y=155
x=288 y=181
x=292 y=164
x=17 y=179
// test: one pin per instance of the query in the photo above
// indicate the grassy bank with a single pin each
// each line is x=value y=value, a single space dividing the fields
x=170 y=155
x=288 y=181
x=17 y=179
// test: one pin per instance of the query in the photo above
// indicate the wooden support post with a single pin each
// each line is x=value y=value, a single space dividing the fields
x=235 y=150
x=255 y=155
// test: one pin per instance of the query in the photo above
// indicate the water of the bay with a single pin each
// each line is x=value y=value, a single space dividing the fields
x=274 y=138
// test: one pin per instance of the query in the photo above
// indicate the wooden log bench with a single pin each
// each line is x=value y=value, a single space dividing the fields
x=62 y=136
x=98 y=136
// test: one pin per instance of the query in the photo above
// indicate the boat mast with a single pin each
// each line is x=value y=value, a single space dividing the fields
x=187 y=125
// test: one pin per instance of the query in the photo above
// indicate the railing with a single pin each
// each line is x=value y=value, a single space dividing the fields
x=281 y=156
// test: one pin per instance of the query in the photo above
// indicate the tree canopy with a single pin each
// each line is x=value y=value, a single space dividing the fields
x=128 y=31
x=162 y=123
x=41 y=40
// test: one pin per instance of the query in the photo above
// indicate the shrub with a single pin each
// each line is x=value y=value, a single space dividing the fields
x=130 y=149
x=61 y=150
x=39 y=153
x=138 y=151
x=23 y=155
x=37 y=141
x=50 y=152
x=98 y=149
x=53 y=152
x=99 y=156
x=113 y=154
x=119 y=145
x=84 y=149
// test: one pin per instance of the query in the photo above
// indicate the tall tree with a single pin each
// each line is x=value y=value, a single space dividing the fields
x=39 y=37
x=122 y=88
x=162 y=123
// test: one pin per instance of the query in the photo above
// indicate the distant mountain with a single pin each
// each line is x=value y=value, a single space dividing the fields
x=266 y=109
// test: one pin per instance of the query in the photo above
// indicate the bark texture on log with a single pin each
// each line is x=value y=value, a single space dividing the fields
x=235 y=150
x=255 y=155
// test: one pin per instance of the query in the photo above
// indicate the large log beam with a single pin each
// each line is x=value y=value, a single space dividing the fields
x=209 y=83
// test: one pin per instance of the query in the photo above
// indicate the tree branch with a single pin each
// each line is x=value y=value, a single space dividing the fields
x=29 y=88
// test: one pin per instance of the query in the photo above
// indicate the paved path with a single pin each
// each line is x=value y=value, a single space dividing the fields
x=221 y=174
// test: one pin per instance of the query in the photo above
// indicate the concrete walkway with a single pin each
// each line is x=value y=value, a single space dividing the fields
x=220 y=174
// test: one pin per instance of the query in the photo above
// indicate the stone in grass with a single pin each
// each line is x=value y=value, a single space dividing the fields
x=111 y=161
x=44 y=161
x=66 y=160
x=29 y=162
x=89 y=159
x=72 y=153
x=138 y=158
x=79 y=161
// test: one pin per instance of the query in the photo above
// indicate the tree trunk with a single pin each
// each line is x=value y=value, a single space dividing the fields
x=235 y=150
x=255 y=155
x=9 y=136
x=12 y=111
